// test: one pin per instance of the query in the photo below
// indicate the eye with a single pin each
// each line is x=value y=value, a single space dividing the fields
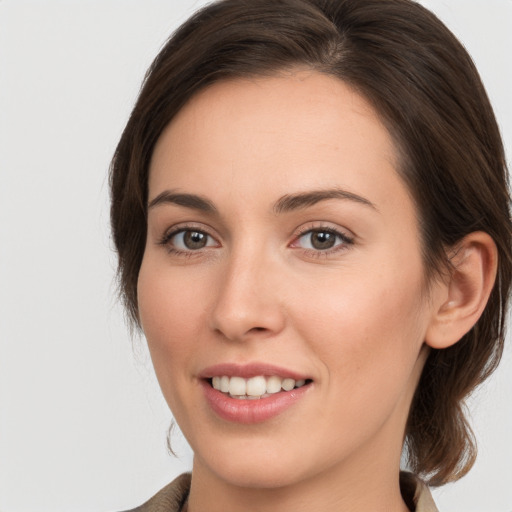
x=321 y=239
x=189 y=240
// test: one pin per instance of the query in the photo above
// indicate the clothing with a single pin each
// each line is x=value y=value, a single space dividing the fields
x=170 y=499
x=416 y=494
x=173 y=497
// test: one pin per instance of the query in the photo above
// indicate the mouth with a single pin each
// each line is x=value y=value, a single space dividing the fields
x=256 y=387
x=254 y=392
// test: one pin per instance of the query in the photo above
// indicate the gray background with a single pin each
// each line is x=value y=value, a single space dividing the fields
x=82 y=423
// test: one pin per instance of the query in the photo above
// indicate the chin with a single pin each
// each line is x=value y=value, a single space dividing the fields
x=257 y=476
x=259 y=463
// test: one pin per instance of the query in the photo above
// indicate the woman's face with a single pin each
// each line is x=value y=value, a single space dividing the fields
x=283 y=250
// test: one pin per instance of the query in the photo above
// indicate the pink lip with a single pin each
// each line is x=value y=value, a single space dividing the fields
x=249 y=370
x=250 y=411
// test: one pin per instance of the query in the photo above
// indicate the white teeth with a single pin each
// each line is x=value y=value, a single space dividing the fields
x=255 y=387
x=273 y=384
x=288 y=384
x=224 y=384
x=237 y=386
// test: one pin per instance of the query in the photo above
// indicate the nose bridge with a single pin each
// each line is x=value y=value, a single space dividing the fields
x=247 y=302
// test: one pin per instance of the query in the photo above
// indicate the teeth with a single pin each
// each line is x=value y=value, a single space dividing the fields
x=237 y=386
x=255 y=387
x=273 y=385
x=224 y=384
x=288 y=384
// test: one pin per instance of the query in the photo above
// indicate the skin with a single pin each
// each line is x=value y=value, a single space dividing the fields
x=354 y=318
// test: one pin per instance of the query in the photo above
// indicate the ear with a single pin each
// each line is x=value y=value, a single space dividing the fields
x=461 y=298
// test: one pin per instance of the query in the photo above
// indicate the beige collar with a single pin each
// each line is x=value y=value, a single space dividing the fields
x=416 y=494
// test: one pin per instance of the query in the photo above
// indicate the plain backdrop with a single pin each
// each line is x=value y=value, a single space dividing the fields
x=82 y=423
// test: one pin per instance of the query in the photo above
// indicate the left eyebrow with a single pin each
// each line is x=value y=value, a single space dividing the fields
x=192 y=201
x=303 y=200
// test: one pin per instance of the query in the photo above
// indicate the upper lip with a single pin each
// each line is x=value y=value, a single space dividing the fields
x=250 y=370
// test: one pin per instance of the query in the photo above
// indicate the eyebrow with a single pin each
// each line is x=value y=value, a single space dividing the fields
x=284 y=204
x=304 y=200
x=192 y=201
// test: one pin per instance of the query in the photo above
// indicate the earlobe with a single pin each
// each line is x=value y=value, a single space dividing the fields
x=465 y=292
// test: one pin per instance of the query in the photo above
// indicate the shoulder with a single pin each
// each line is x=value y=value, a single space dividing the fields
x=170 y=499
x=416 y=494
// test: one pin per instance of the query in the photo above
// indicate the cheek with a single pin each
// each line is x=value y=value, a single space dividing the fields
x=369 y=346
x=368 y=327
x=171 y=318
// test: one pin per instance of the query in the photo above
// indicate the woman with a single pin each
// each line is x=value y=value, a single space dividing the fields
x=311 y=212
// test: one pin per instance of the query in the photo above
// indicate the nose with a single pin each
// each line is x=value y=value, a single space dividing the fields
x=248 y=301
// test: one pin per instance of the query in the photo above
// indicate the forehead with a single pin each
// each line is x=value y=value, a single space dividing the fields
x=276 y=135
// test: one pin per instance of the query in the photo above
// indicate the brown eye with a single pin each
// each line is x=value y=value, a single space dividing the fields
x=322 y=240
x=195 y=239
x=191 y=240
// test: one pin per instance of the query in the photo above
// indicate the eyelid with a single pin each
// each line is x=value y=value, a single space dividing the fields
x=175 y=229
x=189 y=226
x=345 y=235
x=324 y=226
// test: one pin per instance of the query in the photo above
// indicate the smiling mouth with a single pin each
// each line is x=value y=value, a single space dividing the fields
x=256 y=387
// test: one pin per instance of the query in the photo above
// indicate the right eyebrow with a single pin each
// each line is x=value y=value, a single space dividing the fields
x=306 y=199
x=192 y=201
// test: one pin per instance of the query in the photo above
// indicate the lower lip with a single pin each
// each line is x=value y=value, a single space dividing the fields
x=251 y=411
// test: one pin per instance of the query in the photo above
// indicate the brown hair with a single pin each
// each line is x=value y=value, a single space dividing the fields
x=428 y=93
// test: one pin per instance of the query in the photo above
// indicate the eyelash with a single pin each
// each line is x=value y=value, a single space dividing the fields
x=344 y=239
x=169 y=235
